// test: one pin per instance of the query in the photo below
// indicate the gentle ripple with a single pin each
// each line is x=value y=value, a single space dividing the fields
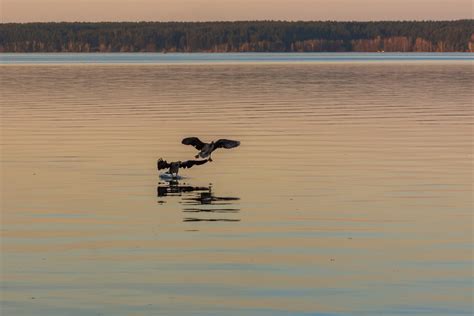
x=351 y=193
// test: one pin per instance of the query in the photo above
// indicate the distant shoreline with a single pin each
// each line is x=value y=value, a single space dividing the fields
x=234 y=53
x=238 y=37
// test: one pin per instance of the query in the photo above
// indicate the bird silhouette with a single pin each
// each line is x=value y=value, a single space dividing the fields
x=176 y=165
x=206 y=149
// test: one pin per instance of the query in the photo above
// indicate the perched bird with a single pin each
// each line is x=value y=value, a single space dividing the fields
x=206 y=149
x=175 y=165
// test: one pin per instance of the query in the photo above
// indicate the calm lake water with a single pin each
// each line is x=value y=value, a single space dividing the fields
x=351 y=192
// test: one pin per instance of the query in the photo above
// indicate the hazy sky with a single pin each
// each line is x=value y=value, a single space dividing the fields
x=211 y=10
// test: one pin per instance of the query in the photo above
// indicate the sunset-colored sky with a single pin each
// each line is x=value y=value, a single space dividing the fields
x=211 y=10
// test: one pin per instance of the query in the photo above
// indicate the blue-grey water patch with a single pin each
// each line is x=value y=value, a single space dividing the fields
x=216 y=58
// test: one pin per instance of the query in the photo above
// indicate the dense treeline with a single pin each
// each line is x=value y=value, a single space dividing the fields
x=258 y=36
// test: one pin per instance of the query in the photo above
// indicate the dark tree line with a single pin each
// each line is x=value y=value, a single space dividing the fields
x=250 y=36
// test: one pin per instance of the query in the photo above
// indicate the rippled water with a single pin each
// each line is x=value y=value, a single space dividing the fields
x=351 y=192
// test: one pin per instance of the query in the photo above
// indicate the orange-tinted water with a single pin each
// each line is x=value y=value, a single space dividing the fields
x=351 y=192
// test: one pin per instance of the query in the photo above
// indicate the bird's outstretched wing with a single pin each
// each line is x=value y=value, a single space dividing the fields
x=162 y=164
x=190 y=163
x=194 y=141
x=226 y=143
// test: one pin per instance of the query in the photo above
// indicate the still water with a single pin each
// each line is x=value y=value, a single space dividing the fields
x=222 y=58
x=351 y=192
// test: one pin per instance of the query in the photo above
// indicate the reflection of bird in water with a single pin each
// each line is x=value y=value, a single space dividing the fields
x=206 y=149
x=175 y=165
x=199 y=200
x=207 y=197
x=175 y=189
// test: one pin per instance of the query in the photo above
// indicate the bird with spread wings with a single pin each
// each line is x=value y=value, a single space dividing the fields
x=176 y=165
x=206 y=149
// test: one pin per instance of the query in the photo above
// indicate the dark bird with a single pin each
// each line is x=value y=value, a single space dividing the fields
x=206 y=149
x=175 y=165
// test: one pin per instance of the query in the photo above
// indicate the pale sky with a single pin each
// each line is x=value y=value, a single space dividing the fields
x=229 y=10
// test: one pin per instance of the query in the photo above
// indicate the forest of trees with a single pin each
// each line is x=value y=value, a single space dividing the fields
x=257 y=36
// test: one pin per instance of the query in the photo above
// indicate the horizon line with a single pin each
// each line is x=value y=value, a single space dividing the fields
x=239 y=21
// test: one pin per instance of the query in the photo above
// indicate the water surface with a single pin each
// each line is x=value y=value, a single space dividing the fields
x=351 y=193
x=223 y=58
